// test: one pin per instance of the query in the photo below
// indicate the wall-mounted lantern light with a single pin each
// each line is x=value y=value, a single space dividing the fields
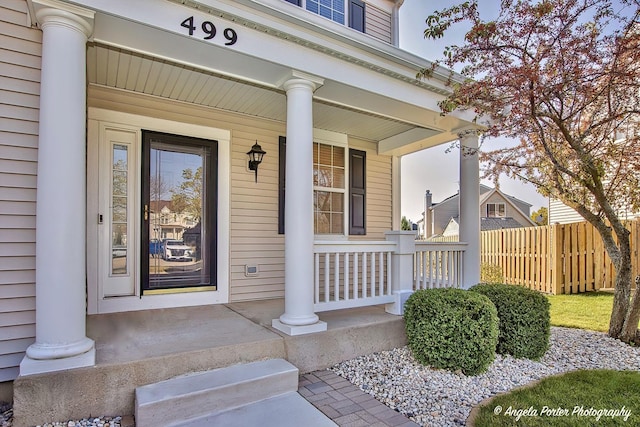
x=255 y=158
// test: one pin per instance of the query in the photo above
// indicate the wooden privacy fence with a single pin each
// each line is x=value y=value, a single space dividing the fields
x=556 y=259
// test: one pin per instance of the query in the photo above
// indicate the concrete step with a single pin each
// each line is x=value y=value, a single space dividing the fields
x=202 y=394
x=288 y=410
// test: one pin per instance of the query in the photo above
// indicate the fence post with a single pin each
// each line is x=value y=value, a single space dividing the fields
x=401 y=269
x=557 y=245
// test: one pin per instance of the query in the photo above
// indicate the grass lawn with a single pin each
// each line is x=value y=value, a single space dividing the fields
x=557 y=401
x=591 y=310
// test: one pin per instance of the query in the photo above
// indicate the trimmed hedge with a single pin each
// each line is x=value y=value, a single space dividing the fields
x=524 y=319
x=452 y=329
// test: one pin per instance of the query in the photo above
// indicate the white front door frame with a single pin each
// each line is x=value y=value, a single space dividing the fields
x=99 y=121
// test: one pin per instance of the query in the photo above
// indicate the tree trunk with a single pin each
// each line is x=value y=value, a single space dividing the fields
x=620 y=299
x=620 y=254
x=630 y=331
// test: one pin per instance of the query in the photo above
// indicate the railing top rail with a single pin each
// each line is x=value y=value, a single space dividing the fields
x=328 y=246
x=441 y=246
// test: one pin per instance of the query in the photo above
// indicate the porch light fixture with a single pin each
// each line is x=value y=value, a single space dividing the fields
x=255 y=158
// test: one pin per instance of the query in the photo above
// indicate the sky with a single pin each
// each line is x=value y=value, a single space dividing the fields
x=434 y=169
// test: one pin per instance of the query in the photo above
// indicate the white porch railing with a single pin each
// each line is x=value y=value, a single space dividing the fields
x=352 y=274
x=438 y=265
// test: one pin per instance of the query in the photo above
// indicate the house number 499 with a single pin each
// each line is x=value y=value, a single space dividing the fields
x=210 y=30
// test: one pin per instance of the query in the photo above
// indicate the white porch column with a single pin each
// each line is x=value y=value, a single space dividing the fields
x=299 y=316
x=470 y=206
x=61 y=341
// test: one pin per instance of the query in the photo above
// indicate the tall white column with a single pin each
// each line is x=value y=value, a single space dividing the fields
x=470 y=206
x=299 y=316
x=61 y=341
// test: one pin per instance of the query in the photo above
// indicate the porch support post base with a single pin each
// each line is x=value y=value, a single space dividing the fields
x=293 y=330
x=397 y=306
x=401 y=269
x=30 y=366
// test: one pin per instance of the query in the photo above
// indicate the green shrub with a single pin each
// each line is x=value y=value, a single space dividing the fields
x=452 y=329
x=491 y=273
x=524 y=319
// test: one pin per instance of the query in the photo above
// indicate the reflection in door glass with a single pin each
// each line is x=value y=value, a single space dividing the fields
x=119 y=183
x=176 y=234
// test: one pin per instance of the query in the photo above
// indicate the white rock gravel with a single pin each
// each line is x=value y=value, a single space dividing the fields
x=433 y=397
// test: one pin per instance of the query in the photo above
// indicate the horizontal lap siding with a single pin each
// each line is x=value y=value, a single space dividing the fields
x=378 y=23
x=559 y=213
x=254 y=216
x=20 y=53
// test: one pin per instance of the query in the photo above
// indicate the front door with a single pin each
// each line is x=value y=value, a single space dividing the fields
x=179 y=200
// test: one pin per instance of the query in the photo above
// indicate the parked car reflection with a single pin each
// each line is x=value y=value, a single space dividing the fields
x=176 y=250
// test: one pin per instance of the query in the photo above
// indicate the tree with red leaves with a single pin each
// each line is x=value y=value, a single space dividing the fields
x=562 y=77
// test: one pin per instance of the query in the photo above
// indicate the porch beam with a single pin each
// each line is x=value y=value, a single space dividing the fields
x=61 y=341
x=470 y=206
x=299 y=316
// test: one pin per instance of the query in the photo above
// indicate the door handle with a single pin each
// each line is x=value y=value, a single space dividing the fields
x=146 y=212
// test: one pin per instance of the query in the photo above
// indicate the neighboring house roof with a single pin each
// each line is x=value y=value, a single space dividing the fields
x=498 y=223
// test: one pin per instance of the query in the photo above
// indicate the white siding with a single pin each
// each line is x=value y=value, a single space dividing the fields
x=559 y=213
x=377 y=23
x=443 y=212
x=20 y=52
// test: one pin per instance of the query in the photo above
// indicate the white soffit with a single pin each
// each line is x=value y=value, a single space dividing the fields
x=117 y=68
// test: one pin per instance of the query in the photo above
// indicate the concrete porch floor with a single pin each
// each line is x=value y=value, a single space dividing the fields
x=144 y=347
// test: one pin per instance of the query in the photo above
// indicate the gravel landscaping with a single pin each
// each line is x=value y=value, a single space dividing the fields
x=433 y=397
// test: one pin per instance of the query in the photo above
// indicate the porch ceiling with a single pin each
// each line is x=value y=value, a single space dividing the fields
x=117 y=68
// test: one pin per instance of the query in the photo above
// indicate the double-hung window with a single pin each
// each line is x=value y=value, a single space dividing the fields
x=339 y=189
x=344 y=12
x=328 y=188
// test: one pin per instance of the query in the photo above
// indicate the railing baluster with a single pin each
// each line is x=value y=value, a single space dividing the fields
x=364 y=275
x=327 y=275
x=380 y=274
x=373 y=274
x=452 y=263
x=316 y=281
x=346 y=275
x=438 y=256
x=425 y=258
x=388 y=273
x=336 y=278
x=355 y=275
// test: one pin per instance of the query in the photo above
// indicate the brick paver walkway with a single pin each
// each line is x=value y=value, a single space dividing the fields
x=346 y=404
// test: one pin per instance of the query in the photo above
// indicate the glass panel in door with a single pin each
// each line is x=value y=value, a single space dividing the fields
x=119 y=208
x=179 y=212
